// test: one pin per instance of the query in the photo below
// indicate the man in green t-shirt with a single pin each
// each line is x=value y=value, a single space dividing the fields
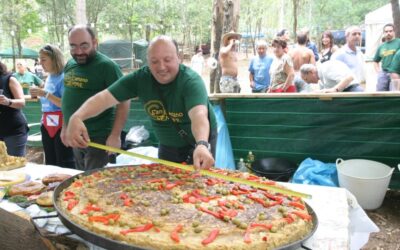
x=384 y=55
x=173 y=96
x=86 y=74
x=26 y=78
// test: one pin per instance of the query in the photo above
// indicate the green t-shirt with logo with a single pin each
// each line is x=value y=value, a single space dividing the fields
x=185 y=92
x=83 y=81
x=26 y=80
x=395 y=65
x=386 y=52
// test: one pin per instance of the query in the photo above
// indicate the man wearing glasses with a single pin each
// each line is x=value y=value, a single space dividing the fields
x=351 y=55
x=86 y=74
x=385 y=55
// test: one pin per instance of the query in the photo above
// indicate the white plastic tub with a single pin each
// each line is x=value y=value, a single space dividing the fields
x=367 y=180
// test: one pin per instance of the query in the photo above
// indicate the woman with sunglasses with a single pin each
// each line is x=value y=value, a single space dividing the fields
x=56 y=153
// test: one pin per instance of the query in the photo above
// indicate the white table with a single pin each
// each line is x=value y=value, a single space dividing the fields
x=342 y=223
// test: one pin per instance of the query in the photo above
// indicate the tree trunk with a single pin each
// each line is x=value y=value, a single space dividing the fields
x=295 y=10
x=225 y=19
x=396 y=16
x=81 y=12
x=216 y=34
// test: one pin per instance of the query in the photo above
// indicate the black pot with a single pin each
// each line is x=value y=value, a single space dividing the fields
x=277 y=169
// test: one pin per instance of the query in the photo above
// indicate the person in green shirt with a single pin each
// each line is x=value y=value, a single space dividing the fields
x=173 y=96
x=384 y=55
x=87 y=73
x=26 y=78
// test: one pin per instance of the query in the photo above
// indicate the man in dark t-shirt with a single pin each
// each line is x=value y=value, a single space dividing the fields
x=173 y=96
x=87 y=73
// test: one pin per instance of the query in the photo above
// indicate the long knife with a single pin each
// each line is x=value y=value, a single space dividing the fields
x=202 y=171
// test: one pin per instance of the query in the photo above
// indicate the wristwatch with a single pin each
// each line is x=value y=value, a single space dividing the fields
x=205 y=143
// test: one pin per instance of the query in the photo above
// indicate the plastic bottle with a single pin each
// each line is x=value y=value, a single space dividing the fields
x=241 y=166
x=249 y=160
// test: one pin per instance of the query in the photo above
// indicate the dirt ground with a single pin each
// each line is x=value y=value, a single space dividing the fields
x=387 y=217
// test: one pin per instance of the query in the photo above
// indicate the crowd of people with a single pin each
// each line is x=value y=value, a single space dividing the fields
x=87 y=99
x=300 y=66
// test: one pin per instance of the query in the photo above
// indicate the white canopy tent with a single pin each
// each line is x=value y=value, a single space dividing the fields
x=374 y=22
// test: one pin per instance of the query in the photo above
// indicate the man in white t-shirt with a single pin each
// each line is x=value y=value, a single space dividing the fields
x=332 y=76
x=351 y=55
x=197 y=61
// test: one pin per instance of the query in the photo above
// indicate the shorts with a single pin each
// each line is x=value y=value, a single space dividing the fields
x=229 y=84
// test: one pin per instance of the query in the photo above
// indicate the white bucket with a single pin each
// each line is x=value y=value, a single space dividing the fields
x=367 y=180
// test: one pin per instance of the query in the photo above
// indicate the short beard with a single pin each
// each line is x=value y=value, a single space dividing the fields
x=88 y=59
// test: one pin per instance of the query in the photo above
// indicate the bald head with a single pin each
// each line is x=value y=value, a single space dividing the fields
x=82 y=44
x=162 y=55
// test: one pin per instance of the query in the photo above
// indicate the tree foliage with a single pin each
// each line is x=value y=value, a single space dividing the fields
x=186 y=20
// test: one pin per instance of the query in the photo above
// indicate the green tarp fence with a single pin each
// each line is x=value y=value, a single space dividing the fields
x=26 y=53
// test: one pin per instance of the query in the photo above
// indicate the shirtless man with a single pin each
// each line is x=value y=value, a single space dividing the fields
x=228 y=60
x=301 y=55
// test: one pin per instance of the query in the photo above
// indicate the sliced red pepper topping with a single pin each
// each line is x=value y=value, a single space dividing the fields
x=297 y=204
x=175 y=234
x=264 y=226
x=302 y=215
x=97 y=175
x=170 y=186
x=77 y=184
x=128 y=202
x=72 y=203
x=289 y=218
x=247 y=238
x=215 y=214
x=156 y=180
x=90 y=207
x=69 y=193
x=211 y=237
x=123 y=196
x=104 y=219
x=126 y=181
x=143 y=228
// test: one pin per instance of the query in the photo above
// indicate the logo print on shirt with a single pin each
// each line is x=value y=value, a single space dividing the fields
x=156 y=110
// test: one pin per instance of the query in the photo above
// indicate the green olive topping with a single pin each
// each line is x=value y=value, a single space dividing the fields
x=198 y=230
x=236 y=222
x=195 y=224
x=243 y=225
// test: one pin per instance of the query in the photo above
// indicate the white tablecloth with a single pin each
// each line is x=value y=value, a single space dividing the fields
x=343 y=224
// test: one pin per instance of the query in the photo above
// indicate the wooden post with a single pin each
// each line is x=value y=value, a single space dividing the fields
x=225 y=18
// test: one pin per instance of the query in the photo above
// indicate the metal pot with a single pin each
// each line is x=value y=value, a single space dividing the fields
x=277 y=169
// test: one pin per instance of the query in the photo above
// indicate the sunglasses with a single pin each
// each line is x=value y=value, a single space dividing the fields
x=48 y=48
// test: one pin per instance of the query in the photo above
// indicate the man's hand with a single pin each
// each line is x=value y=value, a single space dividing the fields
x=202 y=158
x=114 y=141
x=76 y=133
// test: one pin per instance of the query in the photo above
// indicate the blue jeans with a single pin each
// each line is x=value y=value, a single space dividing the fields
x=16 y=144
x=354 y=88
x=383 y=81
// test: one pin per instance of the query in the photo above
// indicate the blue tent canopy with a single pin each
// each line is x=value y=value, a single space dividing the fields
x=26 y=53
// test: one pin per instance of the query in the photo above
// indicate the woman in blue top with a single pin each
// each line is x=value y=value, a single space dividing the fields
x=52 y=61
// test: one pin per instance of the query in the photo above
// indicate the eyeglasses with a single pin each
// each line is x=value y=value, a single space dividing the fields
x=84 y=46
